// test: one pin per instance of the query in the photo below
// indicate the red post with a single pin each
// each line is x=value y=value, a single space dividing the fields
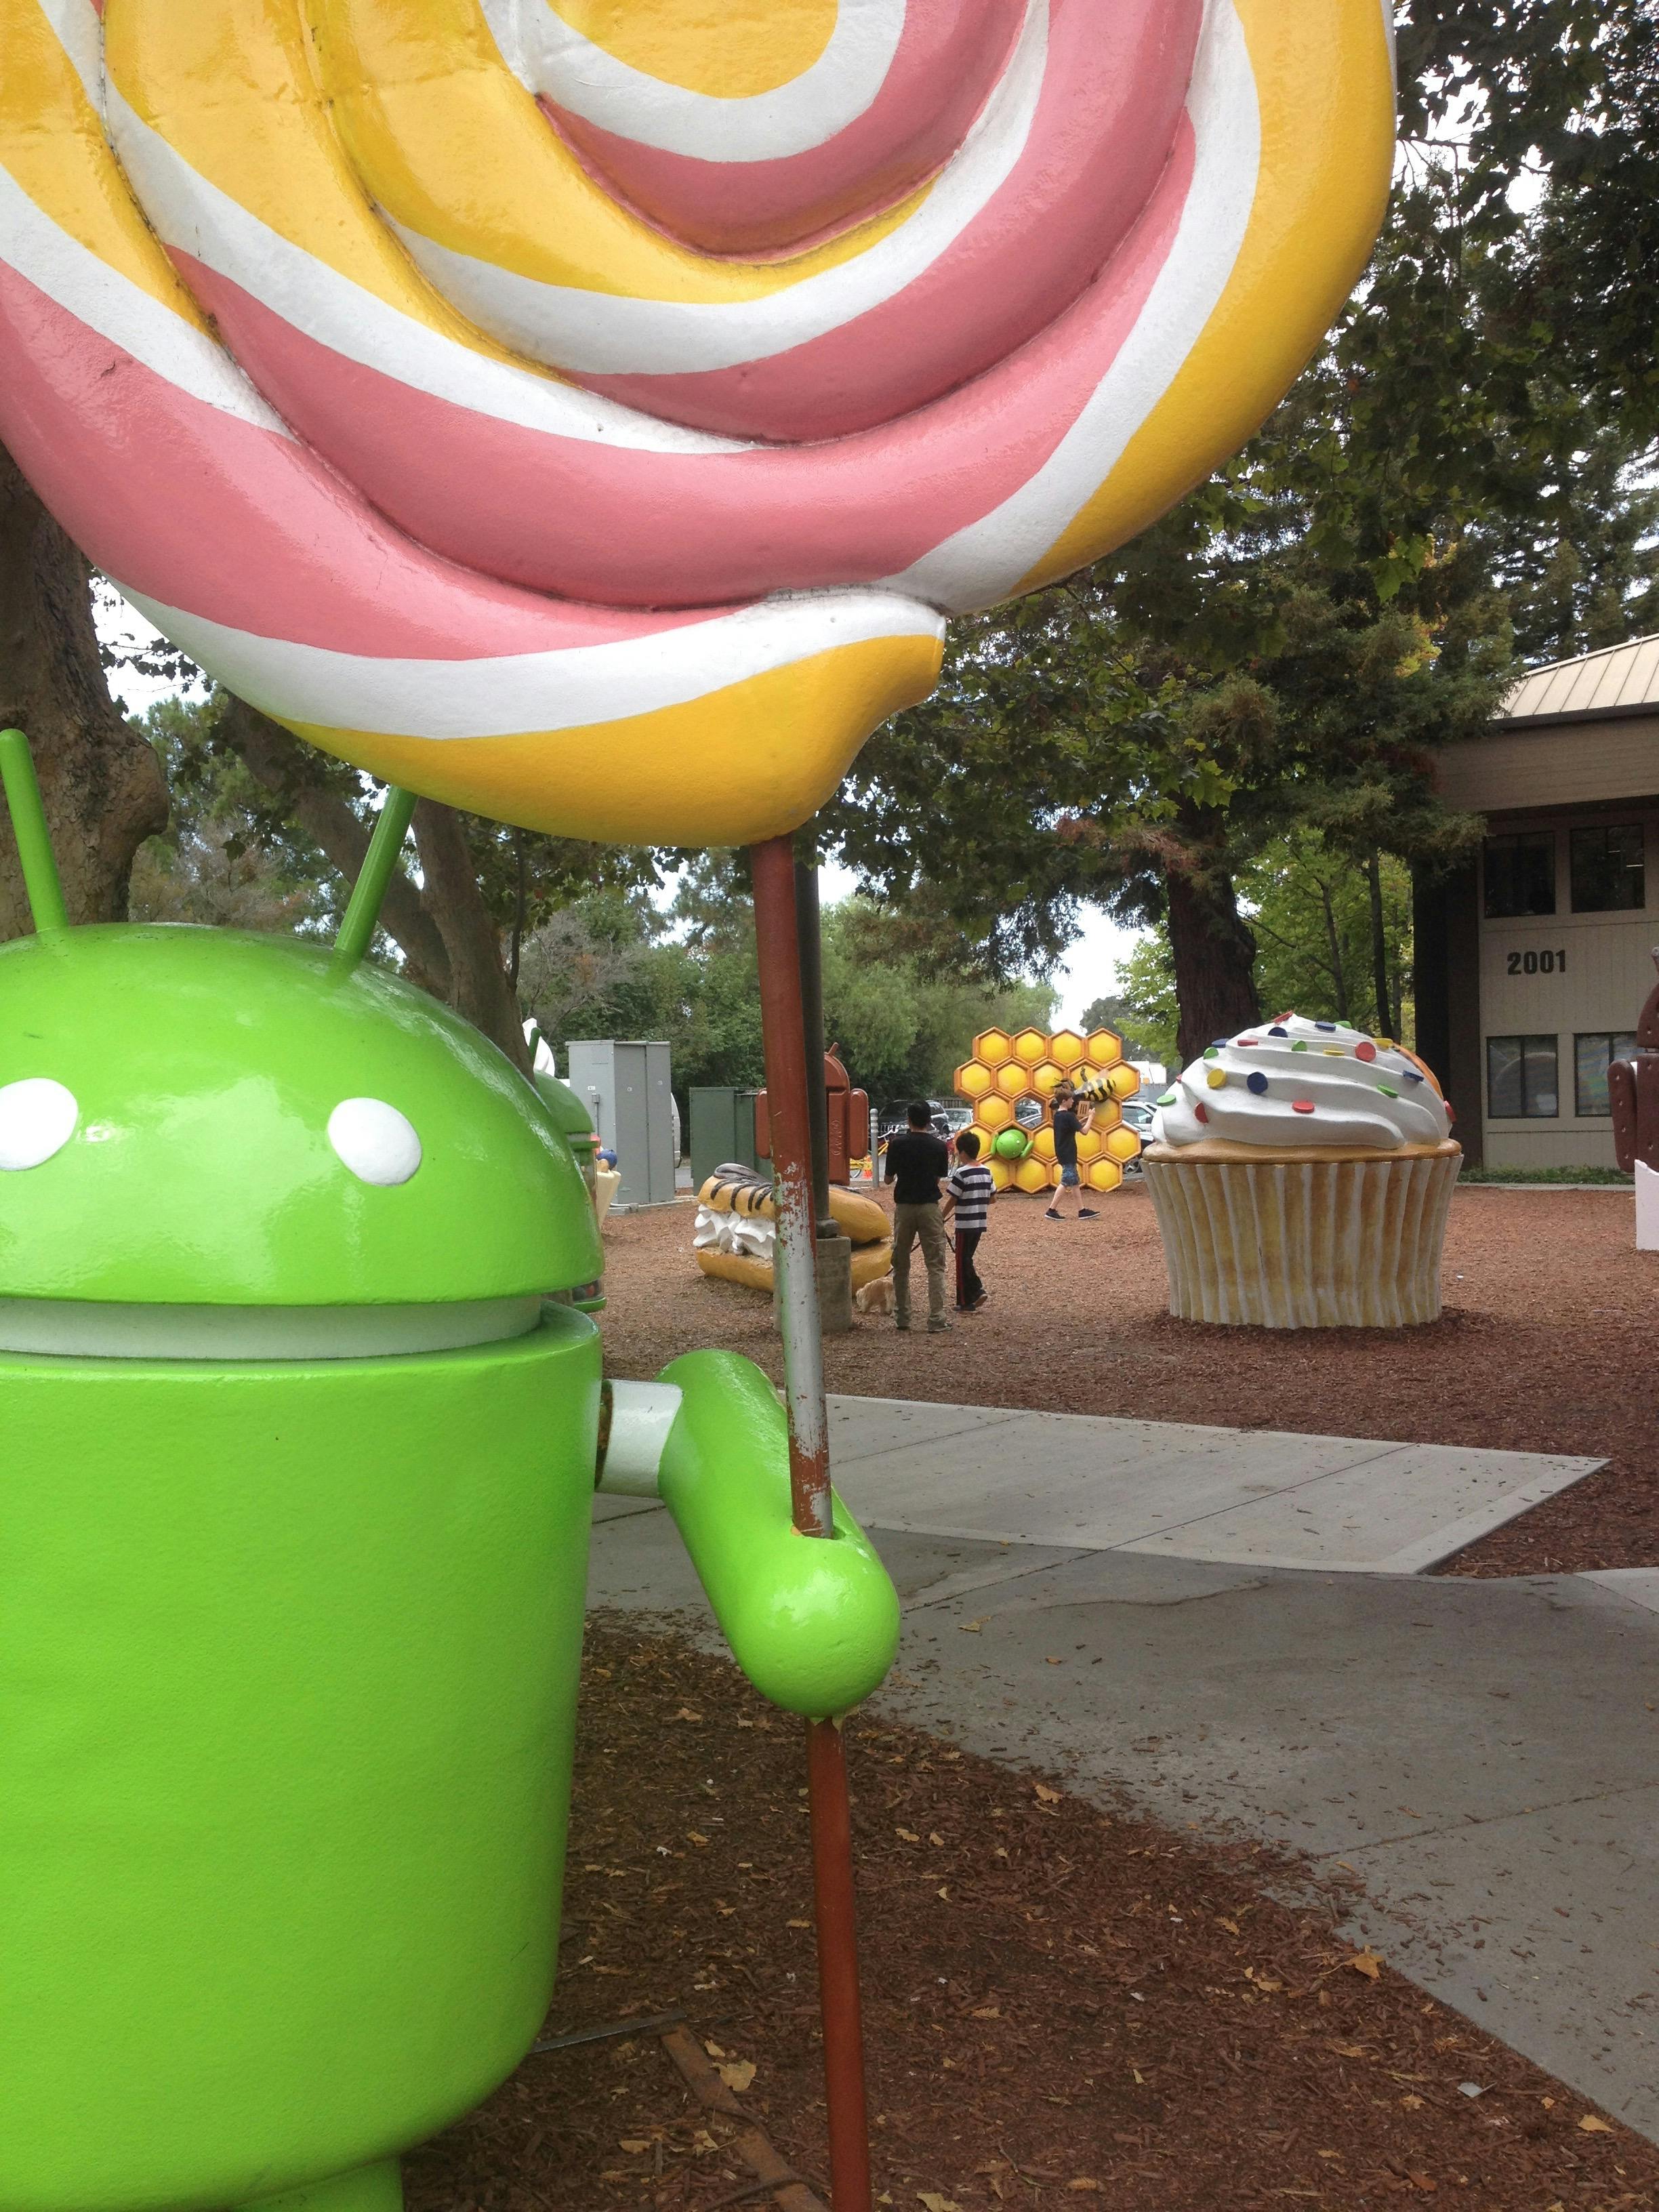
x=784 y=1030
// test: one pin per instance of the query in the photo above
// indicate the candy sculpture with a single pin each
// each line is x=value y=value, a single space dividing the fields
x=1007 y=1072
x=1633 y=1096
x=1303 y=1172
x=588 y=415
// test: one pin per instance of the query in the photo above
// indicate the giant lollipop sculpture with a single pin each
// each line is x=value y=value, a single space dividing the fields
x=589 y=414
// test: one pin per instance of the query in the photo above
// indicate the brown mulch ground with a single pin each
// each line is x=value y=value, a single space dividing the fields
x=1064 y=2006
x=1546 y=1345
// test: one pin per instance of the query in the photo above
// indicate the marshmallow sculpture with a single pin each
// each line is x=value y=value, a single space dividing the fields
x=589 y=413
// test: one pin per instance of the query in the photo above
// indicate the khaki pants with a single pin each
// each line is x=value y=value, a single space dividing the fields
x=924 y=1224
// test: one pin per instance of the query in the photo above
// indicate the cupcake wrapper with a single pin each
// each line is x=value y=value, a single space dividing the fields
x=1305 y=1244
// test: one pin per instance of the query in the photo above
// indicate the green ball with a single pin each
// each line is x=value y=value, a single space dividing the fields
x=1011 y=1144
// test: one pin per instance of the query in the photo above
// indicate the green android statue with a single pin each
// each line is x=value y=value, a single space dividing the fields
x=299 y=1436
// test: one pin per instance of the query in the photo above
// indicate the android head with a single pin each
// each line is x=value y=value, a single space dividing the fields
x=227 y=1144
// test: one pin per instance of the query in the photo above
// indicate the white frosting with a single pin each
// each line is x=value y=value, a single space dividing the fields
x=1363 y=1095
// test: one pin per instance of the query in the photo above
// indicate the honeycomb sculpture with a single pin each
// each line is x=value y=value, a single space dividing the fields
x=1005 y=1069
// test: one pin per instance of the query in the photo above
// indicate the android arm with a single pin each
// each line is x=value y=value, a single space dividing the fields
x=813 y=1624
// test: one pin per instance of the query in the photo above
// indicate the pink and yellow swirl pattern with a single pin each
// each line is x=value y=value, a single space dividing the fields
x=589 y=410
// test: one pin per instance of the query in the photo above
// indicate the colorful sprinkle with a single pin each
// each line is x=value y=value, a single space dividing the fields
x=1366 y=1051
x=1247 y=1040
x=1216 y=1078
x=1218 y=1044
x=1332 y=1052
x=1388 y=1044
x=1387 y=1090
x=1168 y=1099
x=1301 y=1045
x=1411 y=1075
x=1202 y=1113
x=1301 y=1105
x=1211 y=1052
x=1277 y=1031
x=1258 y=1083
x=1325 y=1025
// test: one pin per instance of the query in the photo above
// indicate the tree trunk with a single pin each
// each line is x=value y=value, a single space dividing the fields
x=450 y=945
x=1334 y=943
x=101 y=782
x=1214 y=952
x=1379 y=947
x=478 y=985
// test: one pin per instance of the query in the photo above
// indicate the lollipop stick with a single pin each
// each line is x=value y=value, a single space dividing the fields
x=784 y=1027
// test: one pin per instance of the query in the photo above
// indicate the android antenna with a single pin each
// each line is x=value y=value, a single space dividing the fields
x=29 y=824
x=363 y=911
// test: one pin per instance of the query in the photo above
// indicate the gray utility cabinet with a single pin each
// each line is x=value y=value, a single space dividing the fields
x=627 y=1091
x=722 y=1130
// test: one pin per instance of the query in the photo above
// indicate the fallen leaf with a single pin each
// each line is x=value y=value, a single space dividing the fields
x=714 y=2050
x=987 y=2012
x=930 y=2202
x=799 y=1923
x=1083 y=2182
x=685 y=1713
x=633 y=2145
x=703 y=2142
x=1592 y=2126
x=909 y=1835
x=1367 y=1962
x=692 y=1837
x=969 y=1627
x=944 y=1893
x=1231 y=1926
x=1045 y=1795
x=937 y=1840
x=1350 y=2049
x=1412 y=2104
x=737 y=2074
x=1056 y=1662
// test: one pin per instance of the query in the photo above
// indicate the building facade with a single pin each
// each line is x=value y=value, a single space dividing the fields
x=1533 y=963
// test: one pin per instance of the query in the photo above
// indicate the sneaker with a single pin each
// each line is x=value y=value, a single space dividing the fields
x=1088 y=1214
x=979 y=1301
x=1052 y=1214
x=938 y=1327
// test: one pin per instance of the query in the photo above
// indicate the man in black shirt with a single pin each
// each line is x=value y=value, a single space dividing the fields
x=917 y=1161
x=1069 y=1125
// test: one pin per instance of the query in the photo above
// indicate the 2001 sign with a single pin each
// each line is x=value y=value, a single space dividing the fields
x=1538 y=964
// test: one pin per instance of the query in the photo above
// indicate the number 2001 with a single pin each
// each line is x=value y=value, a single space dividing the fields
x=1538 y=964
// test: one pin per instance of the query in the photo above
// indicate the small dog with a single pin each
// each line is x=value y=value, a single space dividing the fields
x=875 y=1298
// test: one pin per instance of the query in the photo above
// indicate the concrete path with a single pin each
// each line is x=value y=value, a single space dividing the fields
x=1483 y=1754
x=1262 y=1496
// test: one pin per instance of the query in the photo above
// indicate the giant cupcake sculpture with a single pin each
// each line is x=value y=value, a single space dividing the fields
x=1302 y=1173
x=589 y=414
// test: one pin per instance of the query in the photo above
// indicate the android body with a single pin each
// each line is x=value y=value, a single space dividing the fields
x=301 y=1427
x=289 y=1643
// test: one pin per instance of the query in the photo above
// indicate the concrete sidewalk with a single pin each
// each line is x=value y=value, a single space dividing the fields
x=1483 y=1754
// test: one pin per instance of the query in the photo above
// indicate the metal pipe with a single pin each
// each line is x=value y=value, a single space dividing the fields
x=784 y=1028
x=784 y=1036
x=809 y=930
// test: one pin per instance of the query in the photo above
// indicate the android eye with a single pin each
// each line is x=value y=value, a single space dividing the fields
x=37 y=1118
x=373 y=1139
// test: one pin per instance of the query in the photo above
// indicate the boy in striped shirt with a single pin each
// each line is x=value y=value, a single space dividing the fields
x=969 y=1191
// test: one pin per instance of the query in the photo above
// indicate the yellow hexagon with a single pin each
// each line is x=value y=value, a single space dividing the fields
x=993 y=1114
x=1107 y=1115
x=1067 y=1050
x=1043 y=1145
x=973 y=1079
x=993 y=1046
x=1044 y=1076
x=1031 y=1046
x=1104 y=1174
x=1002 y=1176
x=1123 y=1145
x=1105 y=1048
x=1031 y=1174
x=1088 y=1147
x=1013 y=1080
x=1126 y=1081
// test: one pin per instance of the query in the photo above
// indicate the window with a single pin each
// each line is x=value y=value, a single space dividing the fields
x=1520 y=874
x=1520 y=1078
x=1591 y=1056
x=1608 y=875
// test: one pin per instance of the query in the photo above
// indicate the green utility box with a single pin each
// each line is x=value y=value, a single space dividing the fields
x=722 y=1129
